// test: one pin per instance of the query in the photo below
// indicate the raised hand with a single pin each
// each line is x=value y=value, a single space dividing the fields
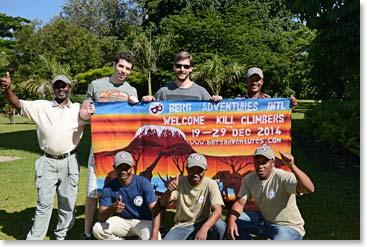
x=5 y=81
x=173 y=184
x=119 y=205
x=287 y=159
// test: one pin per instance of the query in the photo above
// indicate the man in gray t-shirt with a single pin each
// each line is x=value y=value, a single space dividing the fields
x=182 y=88
x=107 y=89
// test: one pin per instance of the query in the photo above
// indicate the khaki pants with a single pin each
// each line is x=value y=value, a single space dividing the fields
x=62 y=177
x=117 y=228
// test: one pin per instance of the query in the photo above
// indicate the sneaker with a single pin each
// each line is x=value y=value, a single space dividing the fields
x=85 y=237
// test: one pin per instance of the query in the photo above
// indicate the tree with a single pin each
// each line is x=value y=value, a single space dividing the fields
x=68 y=44
x=103 y=17
x=38 y=85
x=147 y=51
x=214 y=73
x=232 y=30
x=336 y=49
x=8 y=25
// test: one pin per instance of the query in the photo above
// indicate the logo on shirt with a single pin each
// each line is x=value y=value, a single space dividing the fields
x=201 y=199
x=138 y=201
x=271 y=194
x=156 y=108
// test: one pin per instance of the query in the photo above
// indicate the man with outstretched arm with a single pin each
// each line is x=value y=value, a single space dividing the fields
x=274 y=192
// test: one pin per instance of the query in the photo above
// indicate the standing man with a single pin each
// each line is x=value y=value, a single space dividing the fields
x=60 y=126
x=254 y=83
x=199 y=204
x=182 y=88
x=274 y=191
x=107 y=89
x=128 y=205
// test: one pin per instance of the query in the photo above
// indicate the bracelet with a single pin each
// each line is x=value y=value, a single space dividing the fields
x=235 y=213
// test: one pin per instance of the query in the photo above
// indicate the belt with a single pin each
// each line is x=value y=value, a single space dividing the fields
x=60 y=156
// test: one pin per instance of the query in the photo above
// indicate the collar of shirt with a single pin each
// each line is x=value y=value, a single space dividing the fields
x=55 y=104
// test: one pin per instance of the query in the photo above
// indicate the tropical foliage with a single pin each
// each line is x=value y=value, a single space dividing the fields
x=309 y=49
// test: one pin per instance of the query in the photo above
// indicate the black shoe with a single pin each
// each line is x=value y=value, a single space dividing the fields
x=85 y=237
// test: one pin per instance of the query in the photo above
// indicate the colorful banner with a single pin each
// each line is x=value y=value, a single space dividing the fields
x=162 y=134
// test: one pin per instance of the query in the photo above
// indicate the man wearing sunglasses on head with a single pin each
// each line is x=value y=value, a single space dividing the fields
x=182 y=88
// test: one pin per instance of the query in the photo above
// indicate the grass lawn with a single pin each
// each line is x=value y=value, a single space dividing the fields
x=331 y=213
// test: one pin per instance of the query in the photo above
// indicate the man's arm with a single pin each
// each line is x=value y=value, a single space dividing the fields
x=172 y=186
x=304 y=183
x=156 y=219
x=212 y=219
x=236 y=211
x=10 y=95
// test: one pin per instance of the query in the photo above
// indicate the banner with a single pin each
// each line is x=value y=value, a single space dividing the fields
x=162 y=134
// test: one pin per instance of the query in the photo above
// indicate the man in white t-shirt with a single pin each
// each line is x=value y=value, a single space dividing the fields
x=274 y=192
x=60 y=126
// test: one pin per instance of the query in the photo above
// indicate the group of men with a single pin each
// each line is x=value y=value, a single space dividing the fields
x=128 y=206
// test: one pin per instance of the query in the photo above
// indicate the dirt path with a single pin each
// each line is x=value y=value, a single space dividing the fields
x=8 y=158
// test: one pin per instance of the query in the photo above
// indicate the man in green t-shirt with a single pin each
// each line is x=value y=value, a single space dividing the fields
x=274 y=192
x=198 y=204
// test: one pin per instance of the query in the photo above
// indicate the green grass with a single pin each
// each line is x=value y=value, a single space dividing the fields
x=18 y=195
x=332 y=212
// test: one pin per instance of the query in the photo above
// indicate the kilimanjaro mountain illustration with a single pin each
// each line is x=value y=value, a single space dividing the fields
x=160 y=154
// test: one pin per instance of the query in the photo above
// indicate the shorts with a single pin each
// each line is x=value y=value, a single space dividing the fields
x=92 y=190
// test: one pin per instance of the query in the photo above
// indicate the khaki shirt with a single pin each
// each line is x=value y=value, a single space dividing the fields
x=194 y=203
x=275 y=197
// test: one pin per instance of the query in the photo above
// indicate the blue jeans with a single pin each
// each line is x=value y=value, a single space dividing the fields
x=252 y=222
x=216 y=232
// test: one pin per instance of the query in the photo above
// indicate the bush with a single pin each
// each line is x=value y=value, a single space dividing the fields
x=336 y=123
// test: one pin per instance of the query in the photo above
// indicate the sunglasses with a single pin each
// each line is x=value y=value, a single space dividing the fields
x=179 y=66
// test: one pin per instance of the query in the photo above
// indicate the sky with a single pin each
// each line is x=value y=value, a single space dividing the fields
x=42 y=10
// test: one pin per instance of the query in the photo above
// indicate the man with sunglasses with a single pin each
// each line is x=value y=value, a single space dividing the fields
x=182 y=88
x=60 y=126
x=128 y=205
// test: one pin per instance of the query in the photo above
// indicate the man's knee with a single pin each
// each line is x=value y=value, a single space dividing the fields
x=98 y=230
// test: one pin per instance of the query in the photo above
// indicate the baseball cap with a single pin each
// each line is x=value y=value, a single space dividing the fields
x=254 y=70
x=123 y=157
x=63 y=78
x=265 y=151
x=196 y=159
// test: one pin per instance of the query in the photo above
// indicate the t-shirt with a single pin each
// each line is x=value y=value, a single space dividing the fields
x=59 y=130
x=104 y=90
x=137 y=196
x=172 y=92
x=275 y=197
x=194 y=203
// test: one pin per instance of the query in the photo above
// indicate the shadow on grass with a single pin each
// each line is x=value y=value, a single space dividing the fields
x=18 y=224
x=27 y=141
